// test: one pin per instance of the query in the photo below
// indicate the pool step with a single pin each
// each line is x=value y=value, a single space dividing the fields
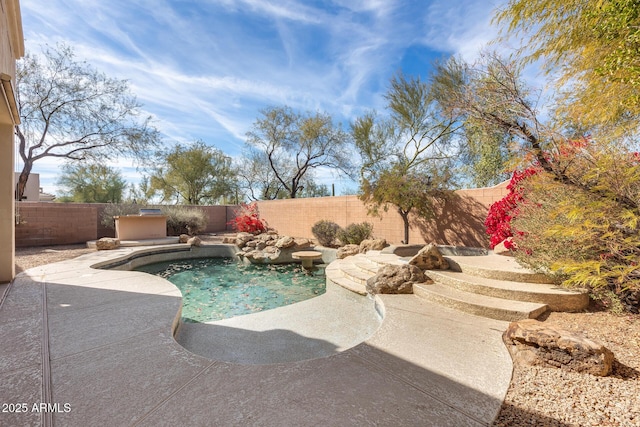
x=480 y=305
x=486 y=285
x=557 y=298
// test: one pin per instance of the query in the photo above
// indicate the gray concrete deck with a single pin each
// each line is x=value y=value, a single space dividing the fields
x=98 y=347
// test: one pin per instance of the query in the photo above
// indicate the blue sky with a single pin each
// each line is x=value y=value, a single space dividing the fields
x=204 y=69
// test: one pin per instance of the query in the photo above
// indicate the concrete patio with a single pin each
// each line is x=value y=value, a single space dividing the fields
x=98 y=347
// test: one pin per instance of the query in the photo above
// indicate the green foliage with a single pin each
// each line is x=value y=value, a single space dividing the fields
x=326 y=232
x=592 y=45
x=354 y=234
x=91 y=183
x=588 y=237
x=194 y=174
x=486 y=155
x=184 y=220
x=406 y=160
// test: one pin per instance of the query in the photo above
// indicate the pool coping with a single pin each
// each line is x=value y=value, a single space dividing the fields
x=82 y=346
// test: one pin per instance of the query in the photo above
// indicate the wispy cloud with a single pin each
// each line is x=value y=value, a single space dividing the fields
x=204 y=69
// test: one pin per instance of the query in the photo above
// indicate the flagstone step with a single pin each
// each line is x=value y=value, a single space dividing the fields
x=492 y=286
x=480 y=305
x=496 y=267
x=556 y=297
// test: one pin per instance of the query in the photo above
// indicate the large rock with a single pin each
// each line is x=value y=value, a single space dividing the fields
x=194 y=241
x=429 y=258
x=107 y=243
x=347 y=250
x=373 y=245
x=395 y=279
x=302 y=243
x=271 y=252
x=533 y=343
x=242 y=239
x=285 y=242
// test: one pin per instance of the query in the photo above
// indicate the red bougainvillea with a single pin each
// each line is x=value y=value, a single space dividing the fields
x=498 y=222
x=248 y=219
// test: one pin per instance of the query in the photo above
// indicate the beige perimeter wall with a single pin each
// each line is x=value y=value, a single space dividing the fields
x=44 y=223
x=458 y=221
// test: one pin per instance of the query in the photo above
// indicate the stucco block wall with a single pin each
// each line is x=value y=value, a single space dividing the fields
x=55 y=224
x=457 y=221
x=44 y=223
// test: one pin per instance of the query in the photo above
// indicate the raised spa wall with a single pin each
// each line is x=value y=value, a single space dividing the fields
x=183 y=251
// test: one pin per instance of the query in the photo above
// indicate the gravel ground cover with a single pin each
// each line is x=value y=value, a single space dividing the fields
x=537 y=396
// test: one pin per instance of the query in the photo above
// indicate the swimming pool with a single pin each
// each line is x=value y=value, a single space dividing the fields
x=220 y=288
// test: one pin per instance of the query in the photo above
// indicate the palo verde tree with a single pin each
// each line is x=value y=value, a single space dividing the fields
x=593 y=46
x=70 y=110
x=194 y=174
x=405 y=157
x=294 y=144
x=492 y=94
x=91 y=183
x=257 y=178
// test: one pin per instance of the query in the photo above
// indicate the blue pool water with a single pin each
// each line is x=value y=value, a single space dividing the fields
x=219 y=288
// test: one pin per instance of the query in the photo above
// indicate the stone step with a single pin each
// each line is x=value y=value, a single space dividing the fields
x=337 y=277
x=496 y=267
x=367 y=266
x=480 y=305
x=352 y=272
x=557 y=298
x=385 y=259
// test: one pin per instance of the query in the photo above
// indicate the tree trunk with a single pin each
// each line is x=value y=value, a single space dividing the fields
x=22 y=180
x=405 y=220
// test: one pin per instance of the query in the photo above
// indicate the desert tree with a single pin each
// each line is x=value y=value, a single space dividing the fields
x=70 y=110
x=492 y=94
x=91 y=183
x=294 y=144
x=406 y=156
x=192 y=174
x=592 y=47
x=257 y=178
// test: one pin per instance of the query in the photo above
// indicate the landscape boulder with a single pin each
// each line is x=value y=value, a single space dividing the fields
x=347 y=250
x=302 y=244
x=395 y=279
x=194 y=241
x=533 y=343
x=372 y=245
x=107 y=243
x=285 y=242
x=429 y=258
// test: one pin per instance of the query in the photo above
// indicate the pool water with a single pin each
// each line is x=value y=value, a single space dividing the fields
x=219 y=288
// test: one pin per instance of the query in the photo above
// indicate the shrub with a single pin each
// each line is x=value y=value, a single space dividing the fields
x=587 y=232
x=118 y=209
x=498 y=222
x=326 y=232
x=248 y=219
x=184 y=220
x=355 y=233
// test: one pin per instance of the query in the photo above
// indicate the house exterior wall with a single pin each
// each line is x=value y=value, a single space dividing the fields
x=11 y=49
